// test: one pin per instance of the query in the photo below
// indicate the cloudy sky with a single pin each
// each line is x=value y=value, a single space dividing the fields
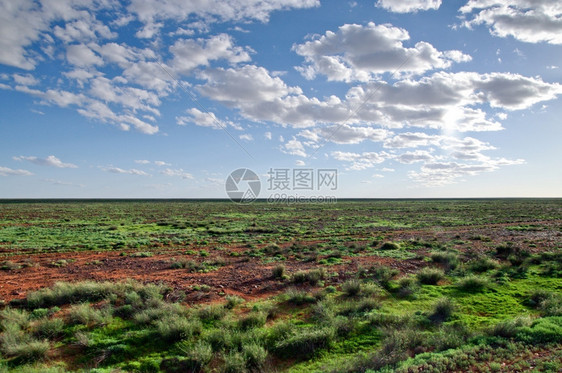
x=409 y=98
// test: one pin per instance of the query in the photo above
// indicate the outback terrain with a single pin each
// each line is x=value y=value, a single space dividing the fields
x=355 y=286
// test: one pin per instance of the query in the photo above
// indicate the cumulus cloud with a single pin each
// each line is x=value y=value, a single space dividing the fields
x=243 y=86
x=530 y=21
x=443 y=173
x=360 y=161
x=408 y=6
x=81 y=55
x=246 y=137
x=177 y=173
x=132 y=171
x=5 y=171
x=157 y=163
x=50 y=161
x=345 y=134
x=20 y=25
x=294 y=147
x=360 y=53
x=151 y=12
x=190 y=53
x=205 y=119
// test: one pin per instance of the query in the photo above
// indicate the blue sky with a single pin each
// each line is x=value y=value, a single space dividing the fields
x=413 y=98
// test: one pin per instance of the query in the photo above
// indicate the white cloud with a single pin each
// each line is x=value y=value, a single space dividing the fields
x=63 y=183
x=294 y=147
x=26 y=79
x=190 y=53
x=246 y=137
x=530 y=21
x=20 y=25
x=176 y=172
x=81 y=55
x=5 y=171
x=411 y=140
x=361 y=53
x=50 y=161
x=442 y=173
x=243 y=86
x=268 y=135
x=300 y=163
x=205 y=119
x=150 y=12
x=161 y=163
x=415 y=156
x=132 y=171
x=157 y=163
x=408 y=6
x=345 y=134
x=360 y=161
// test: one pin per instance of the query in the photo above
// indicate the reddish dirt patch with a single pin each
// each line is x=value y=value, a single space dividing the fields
x=249 y=277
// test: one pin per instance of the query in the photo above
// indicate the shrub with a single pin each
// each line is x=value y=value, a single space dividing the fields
x=306 y=342
x=234 y=362
x=232 y=301
x=407 y=287
x=278 y=272
x=543 y=330
x=255 y=355
x=142 y=254
x=351 y=288
x=472 y=284
x=482 y=265
x=430 y=276
x=505 y=250
x=198 y=355
x=252 y=320
x=390 y=246
x=31 y=351
x=509 y=328
x=173 y=328
x=323 y=312
x=384 y=274
x=448 y=259
x=442 y=310
x=49 y=328
x=14 y=316
x=299 y=297
x=65 y=293
x=86 y=315
x=312 y=277
x=212 y=312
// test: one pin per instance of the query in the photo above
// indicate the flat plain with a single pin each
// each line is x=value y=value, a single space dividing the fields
x=352 y=286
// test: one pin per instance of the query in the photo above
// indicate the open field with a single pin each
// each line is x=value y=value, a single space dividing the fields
x=360 y=285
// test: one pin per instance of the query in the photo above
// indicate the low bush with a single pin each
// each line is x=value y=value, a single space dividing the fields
x=255 y=355
x=430 y=276
x=278 y=272
x=252 y=320
x=299 y=297
x=173 y=328
x=313 y=276
x=351 y=288
x=442 y=311
x=306 y=342
x=482 y=265
x=390 y=246
x=449 y=260
x=472 y=284
x=49 y=328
